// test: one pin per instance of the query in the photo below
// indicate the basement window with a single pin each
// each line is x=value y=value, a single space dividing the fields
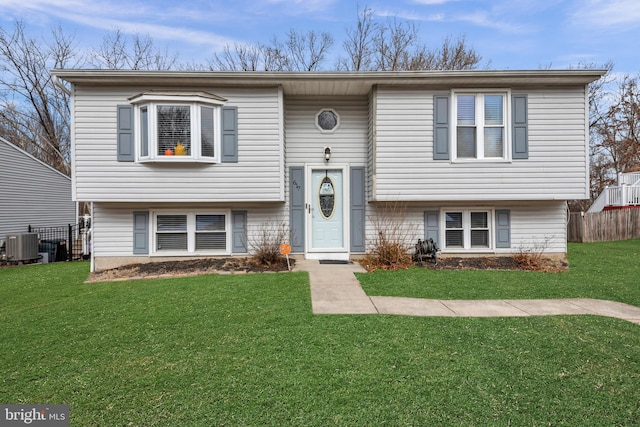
x=191 y=233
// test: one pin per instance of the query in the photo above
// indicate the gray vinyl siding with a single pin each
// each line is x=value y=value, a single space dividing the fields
x=371 y=144
x=534 y=225
x=113 y=222
x=32 y=193
x=305 y=142
x=258 y=175
x=557 y=167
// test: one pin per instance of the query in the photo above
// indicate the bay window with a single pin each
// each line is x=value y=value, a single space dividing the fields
x=178 y=127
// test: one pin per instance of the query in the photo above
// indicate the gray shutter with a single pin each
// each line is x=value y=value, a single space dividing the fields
x=239 y=232
x=229 y=135
x=503 y=228
x=432 y=225
x=141 y=233
x=520 y=127
x=296 y=208
x=126 y=138
x=357 y=198
x=440 y=128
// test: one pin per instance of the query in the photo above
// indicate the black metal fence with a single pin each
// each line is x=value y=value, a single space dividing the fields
x=66 y=243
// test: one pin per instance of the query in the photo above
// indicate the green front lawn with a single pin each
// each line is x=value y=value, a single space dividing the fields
x=246 y=350
x=608 y=271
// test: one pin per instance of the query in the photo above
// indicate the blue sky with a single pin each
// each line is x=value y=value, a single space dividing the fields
x=511 y=34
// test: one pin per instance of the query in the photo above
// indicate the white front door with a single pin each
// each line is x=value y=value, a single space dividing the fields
x=327 y=223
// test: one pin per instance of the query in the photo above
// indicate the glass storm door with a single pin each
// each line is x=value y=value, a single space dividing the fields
x=327 y=205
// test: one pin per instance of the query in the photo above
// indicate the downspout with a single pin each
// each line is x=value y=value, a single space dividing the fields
x=57 y=82
x=92 y=267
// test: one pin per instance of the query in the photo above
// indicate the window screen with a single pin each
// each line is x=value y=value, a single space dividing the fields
x=466 y=129
x=454 y=233
x=479 y=230
x=210 y=232
x=171 y=233
x=174 y=127
x=207 y=131
x=494 y=126
x=144 y=132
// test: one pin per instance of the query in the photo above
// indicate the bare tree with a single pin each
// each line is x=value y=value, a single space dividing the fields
x=240 y=57
x=251 y=57
x=619 y=129
x=392 y=45
x=395 y=46
x=274 y=57
x=359 y=44
x=453 y=54
x=137 y=52
x=300 y=52
x=614 y=127
x=308 y=51
x=34 y=110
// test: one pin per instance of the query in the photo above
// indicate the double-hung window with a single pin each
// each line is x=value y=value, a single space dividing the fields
x=171 y=233
x=191 y=233
x=467 y=229
x=178 y=127
x=210 y=232
x=480 y=131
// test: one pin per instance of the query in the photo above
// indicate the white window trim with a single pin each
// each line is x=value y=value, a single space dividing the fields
x=466 y=227
x=335 y=113
x=453 y=113
x=195 y=102
x=191 y=233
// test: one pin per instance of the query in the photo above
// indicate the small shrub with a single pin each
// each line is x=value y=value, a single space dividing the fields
x=391 y=249
x=265 y=243
x=533 y=258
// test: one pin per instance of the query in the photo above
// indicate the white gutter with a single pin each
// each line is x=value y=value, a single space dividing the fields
x=57 y=82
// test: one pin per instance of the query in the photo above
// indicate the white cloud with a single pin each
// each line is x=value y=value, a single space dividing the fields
x=432 y=2
x=158 y=32
x=140 y=18
x=608 y=13
x=298 y=7
x=479 y=19
x=484 y=19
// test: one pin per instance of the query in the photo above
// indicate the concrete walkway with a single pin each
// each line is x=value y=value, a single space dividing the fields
x=335 y=290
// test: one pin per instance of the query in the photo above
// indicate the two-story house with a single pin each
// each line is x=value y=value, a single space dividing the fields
x=192 y=164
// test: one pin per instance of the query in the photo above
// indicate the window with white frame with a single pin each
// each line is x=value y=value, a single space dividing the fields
x=480 y=130
x=191 y=232
x=177 y=128
x=467 y=229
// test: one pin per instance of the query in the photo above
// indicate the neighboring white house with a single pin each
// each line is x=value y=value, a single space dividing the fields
x=187 y=164
x=622 y=196
x=33 y=193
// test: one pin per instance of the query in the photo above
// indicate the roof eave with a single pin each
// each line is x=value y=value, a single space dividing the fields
x=466 y=78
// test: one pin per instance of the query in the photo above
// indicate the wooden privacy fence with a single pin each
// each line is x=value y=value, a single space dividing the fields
x=606 y=226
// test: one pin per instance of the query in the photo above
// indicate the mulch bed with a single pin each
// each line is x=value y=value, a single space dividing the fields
x=474 y=263
x=188 y=268
x=249 y=265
